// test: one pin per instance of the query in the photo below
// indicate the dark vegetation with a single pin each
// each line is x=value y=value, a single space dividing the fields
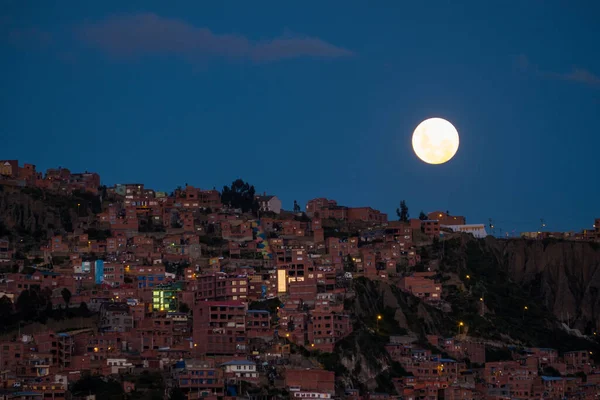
x=34 y=305
x=402 y=212
x=270 y=305
x=148 y=386
x=240 y=195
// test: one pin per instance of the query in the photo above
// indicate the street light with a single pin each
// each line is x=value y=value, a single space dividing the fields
x=379 y=317
x=460 y=325
x=524 y=309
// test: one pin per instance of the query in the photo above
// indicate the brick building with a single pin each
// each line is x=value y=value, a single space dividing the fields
x=446 y=219
x=219 y=327
x=366 y=214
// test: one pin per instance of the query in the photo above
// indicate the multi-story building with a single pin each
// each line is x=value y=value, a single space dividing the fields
x=236 y=230
x=326 y=328
x=269 y=203
x=236 y=371
x=323 y=208
x=219 y=327
x=310 y=380
x=446 y=219
x=221 y=286
x=195 y=198
x=86 y=182
x=477 y=230
x=199 y=376
x=422 y=284
x=146 y=275
x=366 y=214
x=165 y=297
x=113 y=274
x=431 y=227
x=115 y=317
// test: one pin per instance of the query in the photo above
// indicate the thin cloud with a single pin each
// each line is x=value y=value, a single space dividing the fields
x=576 y=74
x=146 y=34
x=583 y=76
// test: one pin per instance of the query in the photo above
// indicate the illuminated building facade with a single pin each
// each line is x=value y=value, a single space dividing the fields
x=164 y=297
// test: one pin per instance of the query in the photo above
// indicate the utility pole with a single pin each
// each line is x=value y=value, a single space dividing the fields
x=482 y=301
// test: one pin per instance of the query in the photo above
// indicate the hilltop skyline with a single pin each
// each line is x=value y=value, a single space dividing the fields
x=315 y=101
x=27 y=174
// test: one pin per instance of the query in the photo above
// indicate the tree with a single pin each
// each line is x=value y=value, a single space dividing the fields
x=29 y=303
x=402 y=212
x=240 y=195
x=296 y=207
x=422 y=216
x=103 y=388
x=66 y=295
x=177 y=394
x=6 y=307
x=83 y=309
x=184 y=308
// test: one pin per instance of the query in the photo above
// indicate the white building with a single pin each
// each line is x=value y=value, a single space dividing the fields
x=477 y=230
x=299 y=394
x=118 y=365
x=269 y=203
x=242 y=369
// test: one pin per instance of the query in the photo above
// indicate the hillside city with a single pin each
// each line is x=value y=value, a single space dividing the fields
x=135 y=293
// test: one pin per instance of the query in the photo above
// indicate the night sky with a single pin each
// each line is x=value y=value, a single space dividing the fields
x=317 y=99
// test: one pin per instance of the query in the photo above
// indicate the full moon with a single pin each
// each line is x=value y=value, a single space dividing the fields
x=435 y=141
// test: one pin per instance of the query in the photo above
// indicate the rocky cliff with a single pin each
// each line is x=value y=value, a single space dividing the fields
x=29 y=216
x=24 y=212
x=504 y=291
x=360 y=360
x=561 y=276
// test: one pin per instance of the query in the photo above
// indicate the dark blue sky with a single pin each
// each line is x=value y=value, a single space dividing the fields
x=316 y=100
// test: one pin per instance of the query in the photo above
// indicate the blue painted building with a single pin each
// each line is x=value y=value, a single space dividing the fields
x=99 y=271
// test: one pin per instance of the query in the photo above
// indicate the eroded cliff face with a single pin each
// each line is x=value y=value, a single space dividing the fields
x=27 y=213
x=564 y=275
x=364 y=358
x=567 y=274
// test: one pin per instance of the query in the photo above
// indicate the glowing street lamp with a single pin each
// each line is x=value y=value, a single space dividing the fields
x=379 y=317
x=460 y=325
x=525 y=309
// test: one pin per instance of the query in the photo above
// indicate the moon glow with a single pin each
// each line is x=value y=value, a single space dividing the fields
x=435 y=141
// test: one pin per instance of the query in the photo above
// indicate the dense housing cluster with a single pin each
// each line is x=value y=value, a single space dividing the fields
x=219 y=292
